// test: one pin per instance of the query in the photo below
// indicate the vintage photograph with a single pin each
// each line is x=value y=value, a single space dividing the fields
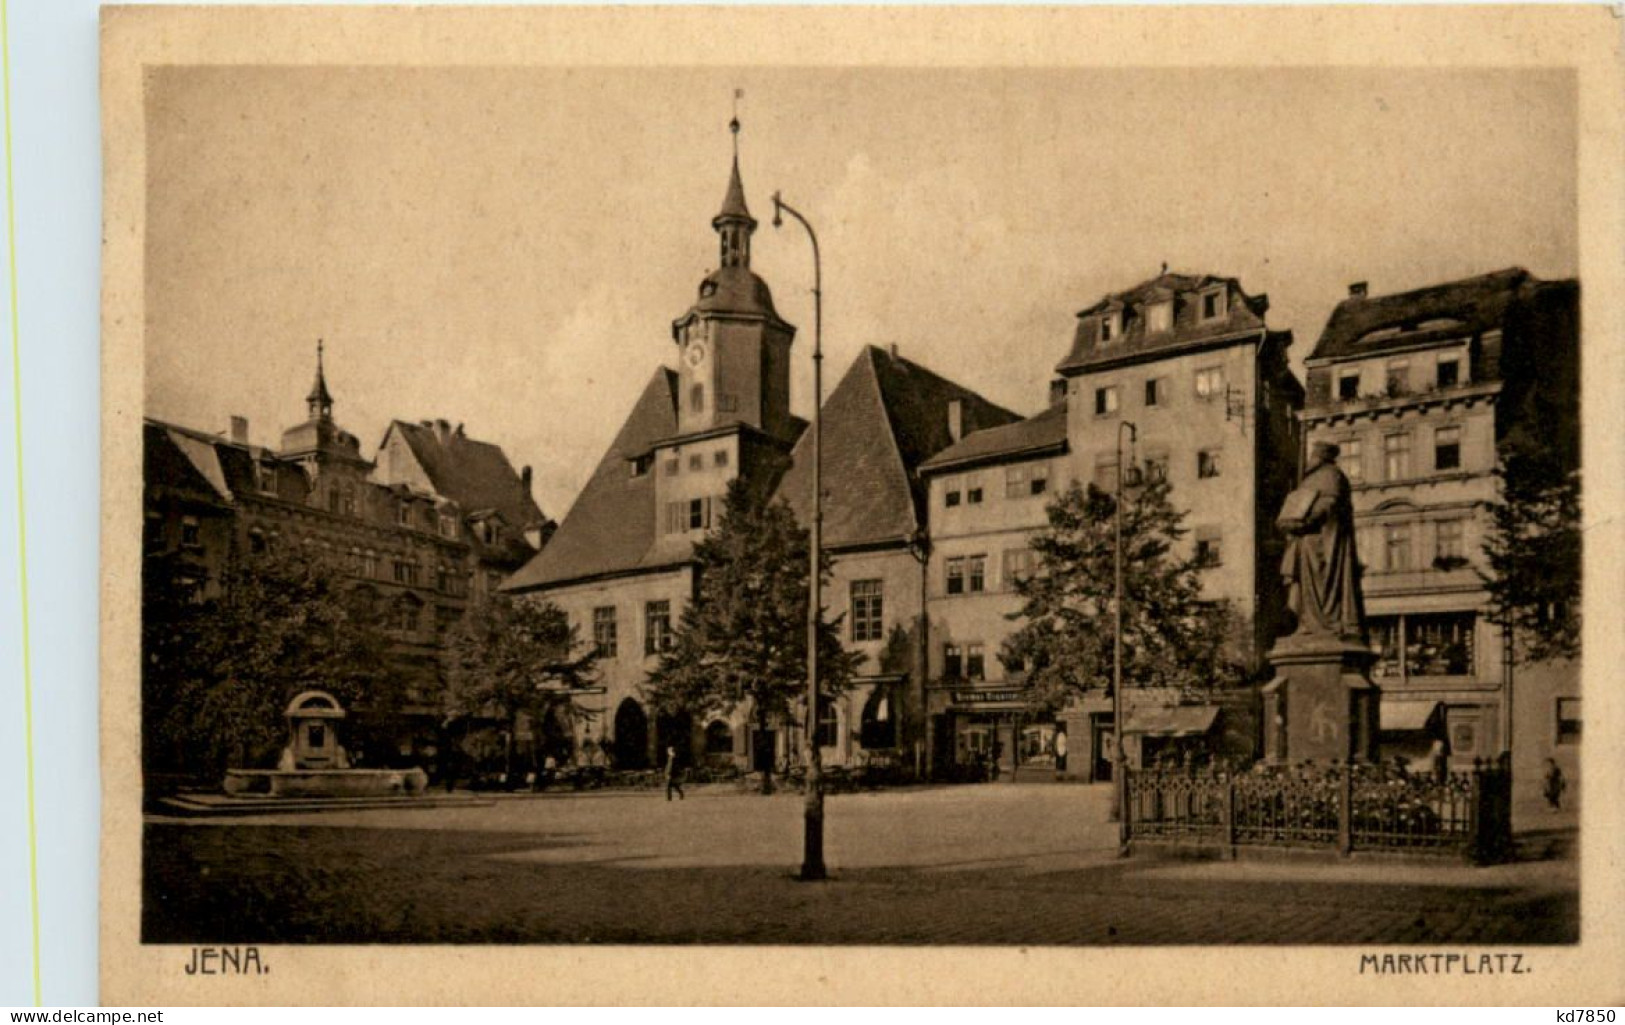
x=882 y=506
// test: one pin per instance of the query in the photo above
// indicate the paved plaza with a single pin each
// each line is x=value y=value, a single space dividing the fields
x=989 y=864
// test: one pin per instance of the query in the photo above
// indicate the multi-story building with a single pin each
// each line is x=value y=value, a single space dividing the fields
x=1417 y=389
x=1202 y=384
x=621 y=563
x=437 y=521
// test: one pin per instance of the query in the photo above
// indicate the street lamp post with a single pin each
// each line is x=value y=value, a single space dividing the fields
x=812 y=856
x=1119 y=723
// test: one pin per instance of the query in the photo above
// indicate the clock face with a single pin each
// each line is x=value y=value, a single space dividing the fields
x=695 y=354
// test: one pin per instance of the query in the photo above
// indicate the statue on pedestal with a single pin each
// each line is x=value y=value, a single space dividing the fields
x=1320 y=568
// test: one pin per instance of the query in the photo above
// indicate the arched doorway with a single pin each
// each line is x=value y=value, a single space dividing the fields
x=631 y=736
x=675 y=729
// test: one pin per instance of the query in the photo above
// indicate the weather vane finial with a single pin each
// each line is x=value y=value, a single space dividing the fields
x=733 y=126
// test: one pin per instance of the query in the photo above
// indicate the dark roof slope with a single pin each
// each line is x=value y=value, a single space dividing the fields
x=1046 y=430
x=611 y=527
x=885 y=417
x=1242 y=313
x=1367 y=325
x=475 y=474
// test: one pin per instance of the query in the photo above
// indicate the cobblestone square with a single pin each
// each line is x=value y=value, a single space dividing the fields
x=991 y=864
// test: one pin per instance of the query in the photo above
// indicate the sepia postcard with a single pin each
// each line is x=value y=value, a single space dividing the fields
x=721 y=505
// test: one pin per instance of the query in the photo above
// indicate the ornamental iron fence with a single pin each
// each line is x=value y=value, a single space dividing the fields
x=1338 y=807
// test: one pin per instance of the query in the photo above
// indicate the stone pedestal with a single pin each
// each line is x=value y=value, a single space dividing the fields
x=1322 y=705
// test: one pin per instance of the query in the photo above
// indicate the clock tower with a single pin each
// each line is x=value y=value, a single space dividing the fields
x=735 y=349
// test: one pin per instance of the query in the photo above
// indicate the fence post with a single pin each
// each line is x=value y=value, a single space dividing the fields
x=1345 y=808
x=1477 y=827
x=1230 y=814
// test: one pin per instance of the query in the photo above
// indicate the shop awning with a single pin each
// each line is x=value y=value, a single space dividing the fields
x=1402 y=716
x=1173 y=721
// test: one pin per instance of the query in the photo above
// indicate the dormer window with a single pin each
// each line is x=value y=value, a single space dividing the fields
x=1111 y=327
x=1213 y=304
x=1159 y=318
x=642 y=464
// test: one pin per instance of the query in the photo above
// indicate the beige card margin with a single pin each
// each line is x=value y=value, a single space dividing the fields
x=1586 y=39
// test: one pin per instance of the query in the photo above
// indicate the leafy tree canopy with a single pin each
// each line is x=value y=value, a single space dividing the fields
x=1171 y=637
x=516 y=656
x=1533 y=550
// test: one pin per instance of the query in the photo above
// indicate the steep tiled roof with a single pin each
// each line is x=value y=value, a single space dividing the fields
x=885 y=417
x=611 y=526
x=1242 y=313
x=1368 y=325
x=1046 y=430
x=474 y=474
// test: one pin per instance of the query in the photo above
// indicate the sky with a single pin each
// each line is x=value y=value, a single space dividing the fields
x=507 y=247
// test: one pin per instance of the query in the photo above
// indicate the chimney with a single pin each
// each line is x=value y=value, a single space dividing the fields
x=956 y=418
x=239 y=429
x=442 y=430
x=524 y=478
x=1057 y=390
x=1358 y=290
x=894 y=350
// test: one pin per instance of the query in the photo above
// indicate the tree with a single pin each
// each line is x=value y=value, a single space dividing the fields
x=1171 y=637
x=520 y=657
x=218 y=672
x=743 y=639
x=1533 y=550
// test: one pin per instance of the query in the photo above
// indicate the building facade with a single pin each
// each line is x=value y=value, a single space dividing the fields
x=1417 y=389
x=429 y=526
x=621 y=563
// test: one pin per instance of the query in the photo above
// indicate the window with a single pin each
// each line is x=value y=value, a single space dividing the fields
x=1109 y=327
x=605 y=639
x=720 y=458
x=674 y=466
x=1213 y=304
x=1156 y=467
x=642 y=464
x=719 y=738
x=406 y=614
x=1207 y=463
x=973 y=491
x=347 y=501
x=1038 y=479
x=406 y=572
x=696 y=461
x=1209 y=549
x=1448 y=541
x=829 y=723
x=1159 y=317
x=1568 y=720
x=975 y=572
x=953 y=661
x=1447 y=449
x=1350 y=461
x=190 y=532
x=1448 y=374
x=696 y=398
x=1399 y=377
x=1015 y=482
x=1106 y=473
x=1106 y=400
x=656 y=627
x=1018 y=565
x=975 y=662
x=265 y=477
x=1396 y=547
x=369 y=563
x=333 y=500
x=1348 y=384
x=1210 y=383
x=1396 y=456
x=867 y=609
x=403 y=515
x=1156 y=389
x=951 y=491
x=1435 y=644
x=699 y=514
x=955 y=583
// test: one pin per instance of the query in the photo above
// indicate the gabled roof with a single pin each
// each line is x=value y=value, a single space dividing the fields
x=1043 y=432
x=180 y=461
x=611 y=527
x=1368 y=325
x=885 y=418
x=1243 y=313
x=474 y=474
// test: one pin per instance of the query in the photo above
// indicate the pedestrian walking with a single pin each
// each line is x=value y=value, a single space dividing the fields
x=1555 y=785
x=1060 y=750
x=673 y=780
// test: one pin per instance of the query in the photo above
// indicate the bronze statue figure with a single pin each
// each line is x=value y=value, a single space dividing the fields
x=1320 y=567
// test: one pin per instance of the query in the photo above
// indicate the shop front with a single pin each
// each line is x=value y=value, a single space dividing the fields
x=987 y=732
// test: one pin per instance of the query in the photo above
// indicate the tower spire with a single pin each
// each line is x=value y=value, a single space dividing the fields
x=733 y=223
x=320 y=400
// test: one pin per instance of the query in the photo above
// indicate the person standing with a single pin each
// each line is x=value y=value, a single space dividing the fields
x=673 y=780
x=1060 y=750
x=1555 y=785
